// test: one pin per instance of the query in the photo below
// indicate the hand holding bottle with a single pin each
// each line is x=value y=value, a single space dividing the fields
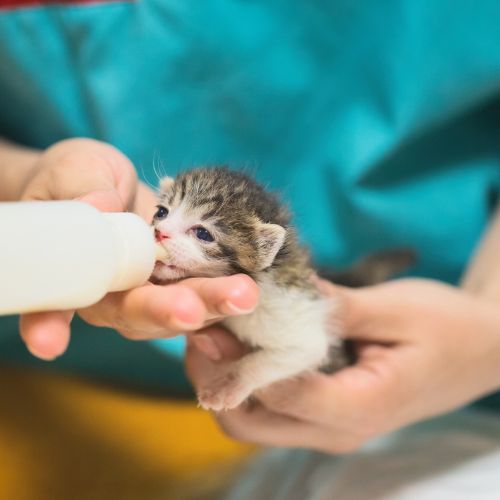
x=424 y=348
x=98 y=174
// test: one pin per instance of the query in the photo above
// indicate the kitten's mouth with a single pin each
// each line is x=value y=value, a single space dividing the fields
x=167 y=272
x=159 y=265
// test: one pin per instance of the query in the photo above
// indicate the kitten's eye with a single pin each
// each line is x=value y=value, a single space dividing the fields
x=202 y=234
x=161 y=213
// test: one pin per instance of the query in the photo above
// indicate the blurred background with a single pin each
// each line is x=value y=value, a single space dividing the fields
x=377 y=122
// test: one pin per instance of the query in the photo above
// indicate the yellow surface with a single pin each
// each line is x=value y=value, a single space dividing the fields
x=64 y=438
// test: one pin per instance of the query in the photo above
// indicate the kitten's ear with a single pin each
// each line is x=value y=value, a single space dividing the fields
x=270 y=239
x=166 y=183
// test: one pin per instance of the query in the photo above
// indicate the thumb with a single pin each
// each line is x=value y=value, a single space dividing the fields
x=105 y=200
x=207 y=350
x=370 y=313
x=112 y=189
x=46 y=334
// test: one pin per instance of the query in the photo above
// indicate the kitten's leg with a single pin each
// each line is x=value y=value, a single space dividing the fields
x=256 y=370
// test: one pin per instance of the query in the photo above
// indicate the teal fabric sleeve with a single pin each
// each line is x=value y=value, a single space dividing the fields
x=379 y=122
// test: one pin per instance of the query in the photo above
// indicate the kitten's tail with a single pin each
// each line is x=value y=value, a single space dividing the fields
x=372 y=269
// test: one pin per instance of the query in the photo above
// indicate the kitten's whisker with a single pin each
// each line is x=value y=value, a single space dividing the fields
x=158 y=166
x=146 y=180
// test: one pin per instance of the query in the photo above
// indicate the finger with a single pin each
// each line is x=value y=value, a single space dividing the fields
x=311 y=396
x=228 y=346
x=125 y=178
x=254 y=423
x=356 y=397
x=226 y=296
x=105 y=200
x=86 y=170
x=306 y=398
x=98 y=191
x=205 y=349
x=200 y=367
x=149 y=311
x=111 y=190
x=46 y=334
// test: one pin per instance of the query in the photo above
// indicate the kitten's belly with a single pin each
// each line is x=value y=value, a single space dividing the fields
x=286 y=319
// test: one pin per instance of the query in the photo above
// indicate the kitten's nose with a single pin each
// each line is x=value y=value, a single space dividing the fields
x=160 y=236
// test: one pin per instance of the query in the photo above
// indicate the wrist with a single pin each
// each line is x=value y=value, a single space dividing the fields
x=17 y=165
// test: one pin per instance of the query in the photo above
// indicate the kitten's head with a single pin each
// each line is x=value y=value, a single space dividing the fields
x=214 y=222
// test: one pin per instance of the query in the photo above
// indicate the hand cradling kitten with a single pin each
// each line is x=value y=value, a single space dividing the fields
x=217 y=222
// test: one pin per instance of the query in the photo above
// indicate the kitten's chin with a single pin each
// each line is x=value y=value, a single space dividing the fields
x=166 y=273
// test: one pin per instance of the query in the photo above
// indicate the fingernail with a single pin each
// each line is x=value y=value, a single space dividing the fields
x=206 y=345
x=238 y=310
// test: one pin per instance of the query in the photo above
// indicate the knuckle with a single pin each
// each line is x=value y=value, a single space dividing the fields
x=181 y=297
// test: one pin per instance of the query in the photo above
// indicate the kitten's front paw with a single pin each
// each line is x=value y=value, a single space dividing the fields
x=224 y=393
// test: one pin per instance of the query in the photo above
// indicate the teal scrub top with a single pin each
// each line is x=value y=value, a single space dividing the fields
x=379 y=122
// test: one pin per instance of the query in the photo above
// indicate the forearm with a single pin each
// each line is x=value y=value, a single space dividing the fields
x=482 y=275
x=16 y=167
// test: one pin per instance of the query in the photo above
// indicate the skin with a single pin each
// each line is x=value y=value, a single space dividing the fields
x=425 y=348
x=98 y=174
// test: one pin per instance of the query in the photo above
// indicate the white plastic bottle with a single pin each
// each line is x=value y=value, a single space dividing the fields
x=61 y=255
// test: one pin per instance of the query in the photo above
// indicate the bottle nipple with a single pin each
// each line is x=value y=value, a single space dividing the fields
x=160 y=252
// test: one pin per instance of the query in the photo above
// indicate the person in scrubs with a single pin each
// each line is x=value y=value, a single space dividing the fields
x=379 y=124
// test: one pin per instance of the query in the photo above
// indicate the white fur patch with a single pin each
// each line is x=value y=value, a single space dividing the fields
x=290 y=330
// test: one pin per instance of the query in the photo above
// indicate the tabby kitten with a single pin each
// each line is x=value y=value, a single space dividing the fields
x=217 y=222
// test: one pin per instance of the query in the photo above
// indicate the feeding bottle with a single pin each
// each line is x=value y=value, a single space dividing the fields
x=59 y=255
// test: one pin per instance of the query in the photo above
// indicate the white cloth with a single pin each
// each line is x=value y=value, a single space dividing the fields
x=456 y=457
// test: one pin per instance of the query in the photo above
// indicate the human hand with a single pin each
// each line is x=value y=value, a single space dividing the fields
x=98 y=174
x=424 y=348
x=85 y=170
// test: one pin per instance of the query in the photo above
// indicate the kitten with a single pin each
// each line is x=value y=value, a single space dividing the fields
x=216 y=222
